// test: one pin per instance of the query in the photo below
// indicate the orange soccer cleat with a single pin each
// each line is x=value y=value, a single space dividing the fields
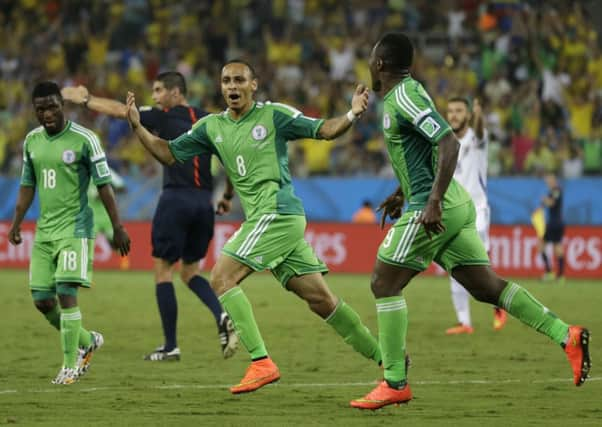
x=383 y=395
x=577 y=351
x=259 y=373
x=459 y=329
x=499 y=318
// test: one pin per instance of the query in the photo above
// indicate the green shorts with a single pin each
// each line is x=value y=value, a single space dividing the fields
x=61 y=261
x=277 y=243
x=407 y=245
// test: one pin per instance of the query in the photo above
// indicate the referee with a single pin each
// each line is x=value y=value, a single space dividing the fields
x=554 y=228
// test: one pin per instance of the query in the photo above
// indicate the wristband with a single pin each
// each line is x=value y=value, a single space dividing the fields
x=228 y=196
x=86 y=100
x=351 y=117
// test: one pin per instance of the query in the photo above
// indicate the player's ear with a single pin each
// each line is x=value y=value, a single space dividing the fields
x=254 y=84
x=379 y=64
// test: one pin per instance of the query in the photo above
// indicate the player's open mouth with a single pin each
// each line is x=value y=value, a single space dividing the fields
x=234 y=97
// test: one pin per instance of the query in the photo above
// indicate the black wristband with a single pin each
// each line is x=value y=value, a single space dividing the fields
x=228 y=196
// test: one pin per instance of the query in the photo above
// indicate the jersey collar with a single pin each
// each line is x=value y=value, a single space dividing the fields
x=244 y=116
x=409 y=76
x=58 y=135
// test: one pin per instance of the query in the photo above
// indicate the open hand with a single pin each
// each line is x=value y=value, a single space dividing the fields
x=392 y=207
x=359 y=102
x=76 y=95
x=121 y=240
x=132 y=113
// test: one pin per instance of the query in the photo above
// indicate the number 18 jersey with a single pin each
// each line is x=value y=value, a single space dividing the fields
x=254 y=152
x=60 y=167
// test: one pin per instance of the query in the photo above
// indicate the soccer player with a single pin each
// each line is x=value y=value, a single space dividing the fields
x=554 y=228
x=102 y=222
x=471 y=173
x=250 y=139
x=183 y=222
x=439 y=225
x=59 y=159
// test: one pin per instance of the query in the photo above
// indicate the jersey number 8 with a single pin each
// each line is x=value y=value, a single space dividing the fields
x=240 y=164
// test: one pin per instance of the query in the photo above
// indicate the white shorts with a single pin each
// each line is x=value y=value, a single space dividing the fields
x=483 y=225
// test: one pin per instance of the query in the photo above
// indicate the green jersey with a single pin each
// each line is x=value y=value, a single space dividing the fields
x=412 y=128
x=254 y=152
x=60 y=167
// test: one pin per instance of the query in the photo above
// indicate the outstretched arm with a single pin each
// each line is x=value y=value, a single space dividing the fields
x=81 y=96
x=24 y=200
x=477 y=117
x=121 y=239
x=333 y=128
x=158 y=147
x=446 y=165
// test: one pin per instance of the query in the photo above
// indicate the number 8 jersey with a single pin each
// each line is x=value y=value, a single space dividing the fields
x=60 y=167
x=254 y=152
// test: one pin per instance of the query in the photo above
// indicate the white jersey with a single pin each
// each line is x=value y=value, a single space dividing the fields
x=471 y=170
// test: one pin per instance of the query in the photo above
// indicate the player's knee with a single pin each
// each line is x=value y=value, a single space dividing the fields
x=221 y=283
x=46 y=305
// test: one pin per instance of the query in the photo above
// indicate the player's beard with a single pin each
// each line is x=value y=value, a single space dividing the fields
x=461 y=127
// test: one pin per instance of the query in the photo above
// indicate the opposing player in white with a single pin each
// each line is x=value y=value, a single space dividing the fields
x=471 y=172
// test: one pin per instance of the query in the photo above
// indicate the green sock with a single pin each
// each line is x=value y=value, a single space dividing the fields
x=239 y=309
x=54 y=318
x=348 y=325
x=71 y=322
x=521 y=304
x=392 y=316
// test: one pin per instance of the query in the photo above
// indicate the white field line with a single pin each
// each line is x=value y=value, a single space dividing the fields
x=59 y=389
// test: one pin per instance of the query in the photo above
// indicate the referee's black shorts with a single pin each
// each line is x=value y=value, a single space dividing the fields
x=554 y=233
x=183 y=225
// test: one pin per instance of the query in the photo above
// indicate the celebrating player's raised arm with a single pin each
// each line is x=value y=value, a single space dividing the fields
x=158 y=147
x=81 y=96
x=333 y=128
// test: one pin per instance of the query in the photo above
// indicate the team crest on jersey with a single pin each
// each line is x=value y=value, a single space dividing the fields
x=68 y=156
x=386 y=121
x=259 y=132
x=430 y=127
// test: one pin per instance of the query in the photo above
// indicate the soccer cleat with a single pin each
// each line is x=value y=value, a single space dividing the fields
x=383 y=395
x=66 y=376
x=459 y=329
x=499 y=318
x=161 y=355
x=577 y=351
x=260 y=373
x=227 y=336
x=85 y=355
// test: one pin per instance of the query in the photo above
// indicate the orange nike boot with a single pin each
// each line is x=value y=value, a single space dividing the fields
x=383 y=395
x=577 y=351
x=499 y=318
x=259 y=373
x=459 y=329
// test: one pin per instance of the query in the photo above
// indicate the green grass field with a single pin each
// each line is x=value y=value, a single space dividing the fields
x=513 y=377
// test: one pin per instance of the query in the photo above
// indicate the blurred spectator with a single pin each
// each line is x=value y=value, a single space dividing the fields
x=536 y=66
x=365 y=214
x=540 y=160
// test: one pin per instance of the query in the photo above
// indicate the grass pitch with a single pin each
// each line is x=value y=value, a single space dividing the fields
x=513 y=377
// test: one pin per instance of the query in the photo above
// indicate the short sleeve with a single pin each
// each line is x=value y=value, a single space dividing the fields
x=417 y=108
x=292 y=124
x=192 y=143
x=151 y=118
x=28 y=176
x=97 y=160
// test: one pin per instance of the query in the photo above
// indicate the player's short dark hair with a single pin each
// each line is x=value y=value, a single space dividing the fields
x=172 y=79
x=242 y=61
x=44 y=89
x=396 y=51
x=461 y=99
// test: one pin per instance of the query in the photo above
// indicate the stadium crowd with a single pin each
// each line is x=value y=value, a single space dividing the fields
x=536 y=70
